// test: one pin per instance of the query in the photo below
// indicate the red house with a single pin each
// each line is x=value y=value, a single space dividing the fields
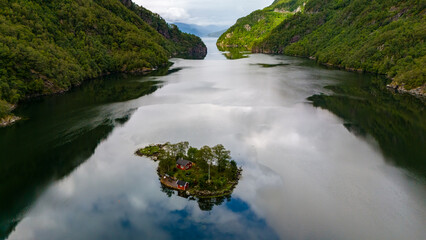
x=183 y=164
x=182 y=185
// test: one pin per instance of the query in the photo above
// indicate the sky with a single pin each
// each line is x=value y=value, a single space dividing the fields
x=203 y=12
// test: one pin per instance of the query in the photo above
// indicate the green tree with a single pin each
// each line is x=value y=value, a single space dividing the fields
x=233 y=170
x=206 y=155
x=384 y=37
x=192 y=153
x=181 y=148
x=50 y=46
x=4 y=108
x=222 y=156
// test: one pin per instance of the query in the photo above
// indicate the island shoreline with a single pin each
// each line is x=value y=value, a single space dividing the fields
x=165 y=152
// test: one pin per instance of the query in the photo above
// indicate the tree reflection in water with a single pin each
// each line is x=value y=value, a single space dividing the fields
x=61 y=133
x=205 y=204
x=396 y=121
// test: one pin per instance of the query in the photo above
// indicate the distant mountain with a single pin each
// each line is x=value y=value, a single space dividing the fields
x=216 y=34
x=199 y=30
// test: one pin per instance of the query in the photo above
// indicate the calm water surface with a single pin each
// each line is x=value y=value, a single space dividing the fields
x=350 y=165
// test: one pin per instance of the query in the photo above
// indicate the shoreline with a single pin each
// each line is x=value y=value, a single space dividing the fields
x=9 y=120
x=416 y=92
x=141 y=72
x=419 y=92
x=153 y=152
x=212 y=194
x=207 y=193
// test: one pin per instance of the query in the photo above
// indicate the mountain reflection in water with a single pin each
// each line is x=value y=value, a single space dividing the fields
x=397 y=122
x=58 y=134
x=305 y=175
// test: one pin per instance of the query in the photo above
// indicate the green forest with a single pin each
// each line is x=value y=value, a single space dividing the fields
x=384 y=37
x=49 y=46
x=258 y=24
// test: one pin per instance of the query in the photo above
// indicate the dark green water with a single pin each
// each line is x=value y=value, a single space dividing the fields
x=396 y=121
x=59 y=133
x=326 y=154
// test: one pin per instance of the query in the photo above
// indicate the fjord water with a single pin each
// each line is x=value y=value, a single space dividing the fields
x=350 y=165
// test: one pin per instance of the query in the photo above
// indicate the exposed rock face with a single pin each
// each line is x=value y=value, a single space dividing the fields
x=198 y=51
x=257 y=25
x=127 y=3
x=419 y=91
x=295 y=39
x=281 y=10
x=9 y=120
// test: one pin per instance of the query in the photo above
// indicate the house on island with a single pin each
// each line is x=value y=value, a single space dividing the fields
x=173 y=183
x=183 y=164
x=182 y=185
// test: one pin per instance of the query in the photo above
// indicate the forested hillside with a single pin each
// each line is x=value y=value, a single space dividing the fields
x=183 y=45
x=258 y=24
x=49 y=46
x=385 y=37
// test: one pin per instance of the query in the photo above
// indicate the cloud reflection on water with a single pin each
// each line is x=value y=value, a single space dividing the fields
x=305 y=176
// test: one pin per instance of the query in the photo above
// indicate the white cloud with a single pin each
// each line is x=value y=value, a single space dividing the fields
x=203 y=12
x=174 y=14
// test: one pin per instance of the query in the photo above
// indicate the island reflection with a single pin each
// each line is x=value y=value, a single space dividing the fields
x=305 y=175
x=205 y=204
x=70 y=134
x=207 y=174
x=397 y=123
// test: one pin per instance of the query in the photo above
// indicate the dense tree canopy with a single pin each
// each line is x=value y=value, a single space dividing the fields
x=257 y=25
x=385 y=37
x=49 y=46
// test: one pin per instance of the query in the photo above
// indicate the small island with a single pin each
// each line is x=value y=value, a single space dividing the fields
x=207 y=172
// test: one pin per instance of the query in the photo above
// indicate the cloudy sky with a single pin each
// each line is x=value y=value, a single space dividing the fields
x=203 y=12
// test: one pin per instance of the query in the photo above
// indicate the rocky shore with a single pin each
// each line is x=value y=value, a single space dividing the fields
x=218 y=193
x=418 y=92
x=8 y=120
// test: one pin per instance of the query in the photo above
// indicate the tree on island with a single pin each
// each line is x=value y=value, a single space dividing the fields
x=222 y=156
x=206 y=155
x=213 y=173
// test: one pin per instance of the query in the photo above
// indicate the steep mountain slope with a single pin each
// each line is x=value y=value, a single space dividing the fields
x=257 y=25
x=180 y=44
x=385 y=37
x=49 y=46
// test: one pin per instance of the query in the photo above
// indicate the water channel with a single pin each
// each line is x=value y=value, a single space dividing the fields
x=327 y=154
